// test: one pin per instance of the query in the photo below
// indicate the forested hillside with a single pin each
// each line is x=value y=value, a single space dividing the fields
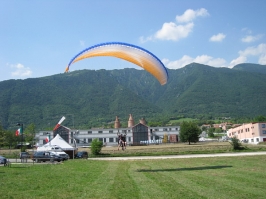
x=93 y=98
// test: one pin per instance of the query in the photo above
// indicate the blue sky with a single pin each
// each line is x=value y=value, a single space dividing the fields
x=39 y=38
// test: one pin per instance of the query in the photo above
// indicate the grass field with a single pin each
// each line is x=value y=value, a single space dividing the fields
x=220 y=177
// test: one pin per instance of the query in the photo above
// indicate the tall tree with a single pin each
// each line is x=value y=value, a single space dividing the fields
x=189 y=132
x=29 y=133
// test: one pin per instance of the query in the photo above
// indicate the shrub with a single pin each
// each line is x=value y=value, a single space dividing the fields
x=96 y=147
x=235 y=143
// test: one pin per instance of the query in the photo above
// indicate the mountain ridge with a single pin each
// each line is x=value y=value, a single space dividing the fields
x=96 y=97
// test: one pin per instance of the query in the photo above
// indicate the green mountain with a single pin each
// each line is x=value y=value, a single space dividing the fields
x=93 y=98
x=256 y=68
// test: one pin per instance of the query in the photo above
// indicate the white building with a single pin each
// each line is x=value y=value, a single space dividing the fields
x=251 y=132
x=83 y=138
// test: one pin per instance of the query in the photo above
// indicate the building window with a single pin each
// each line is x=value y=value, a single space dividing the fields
x=84 y=140
x=263 y=125
x=100 y=132
x=170 y=129
x=264 y=132
x=128 y=131
x=252 y=140
x=257 y=139
x=164 y=129
x=89 y=140
x=155 y=129
x=124 y=131
x=111 y=139
x=89 y=132
x=101 y=139
x=111 y=131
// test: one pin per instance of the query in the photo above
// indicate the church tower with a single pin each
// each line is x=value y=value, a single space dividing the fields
x=130 y=122
x=142 y=121
x=117 y=123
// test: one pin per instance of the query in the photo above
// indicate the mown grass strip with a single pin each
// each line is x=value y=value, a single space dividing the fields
x=217 y=177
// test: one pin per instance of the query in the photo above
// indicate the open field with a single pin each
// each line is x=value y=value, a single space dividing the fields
x=218 y=177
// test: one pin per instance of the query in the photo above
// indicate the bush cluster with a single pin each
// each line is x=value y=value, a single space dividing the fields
x=235 y=143
x=96 y=147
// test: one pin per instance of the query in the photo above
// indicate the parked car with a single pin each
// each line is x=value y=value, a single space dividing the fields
x=43 y=156
x=63 y=155
x=82 y=154
x=3 y=160
x=24 y=155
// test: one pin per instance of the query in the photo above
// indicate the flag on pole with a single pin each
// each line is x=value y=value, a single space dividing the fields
x=47 y=139
x=18 y=132
x=59 y=123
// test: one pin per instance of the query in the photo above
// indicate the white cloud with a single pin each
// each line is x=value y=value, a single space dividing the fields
x=218 y=37
x=20 y=71
x=254 y=51
x=143 y=39
x=247 y=30
x=250 y=38
x=203 y=59
x=174 y=31
x=259 y=51
x=190 y=15
x=239 y=60
x=262 y=59
x=171 y=31
x=185 y=60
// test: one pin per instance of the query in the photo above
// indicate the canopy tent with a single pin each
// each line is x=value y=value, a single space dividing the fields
x=59 y=141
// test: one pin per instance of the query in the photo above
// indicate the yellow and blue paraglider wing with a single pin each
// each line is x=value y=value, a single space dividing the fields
x=128 y=52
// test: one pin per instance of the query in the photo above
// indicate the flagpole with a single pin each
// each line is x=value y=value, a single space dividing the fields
x=21 y=128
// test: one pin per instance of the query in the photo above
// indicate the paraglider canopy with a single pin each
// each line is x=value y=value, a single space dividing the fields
x=128 y=52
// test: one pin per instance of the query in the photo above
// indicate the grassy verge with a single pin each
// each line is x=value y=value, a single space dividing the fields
x=177 y=149
x=221 y=177
x=162 y=149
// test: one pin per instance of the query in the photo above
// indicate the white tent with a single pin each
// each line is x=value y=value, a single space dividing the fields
x=59 y=141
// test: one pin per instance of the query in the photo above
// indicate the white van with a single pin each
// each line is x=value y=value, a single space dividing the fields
x=57 y=150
